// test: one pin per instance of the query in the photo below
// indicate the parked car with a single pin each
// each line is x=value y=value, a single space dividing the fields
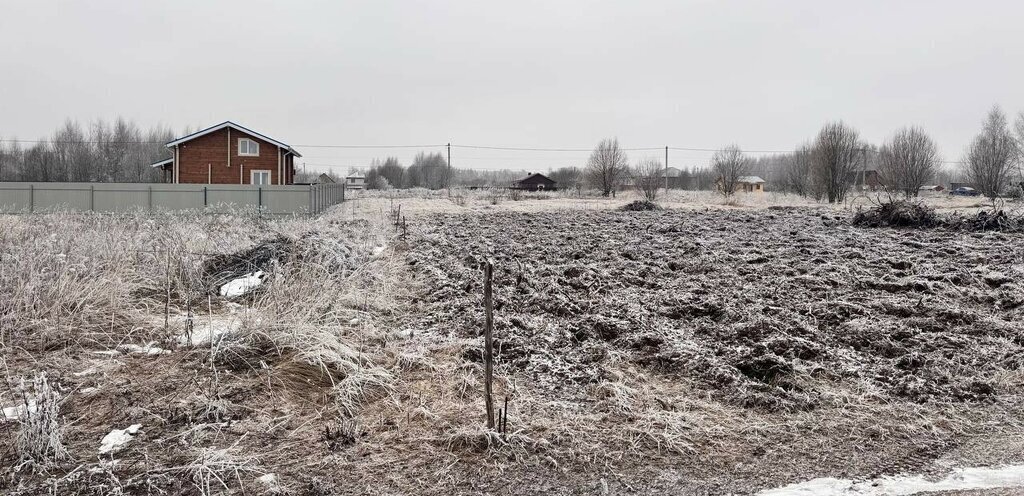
x=964 y=191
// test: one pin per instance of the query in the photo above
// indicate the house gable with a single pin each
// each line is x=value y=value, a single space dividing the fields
x=214 y=156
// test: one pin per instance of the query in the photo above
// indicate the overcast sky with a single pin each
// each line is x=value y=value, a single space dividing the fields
x=559 y=74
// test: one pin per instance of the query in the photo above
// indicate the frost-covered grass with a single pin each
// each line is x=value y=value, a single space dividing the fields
x=85 y=299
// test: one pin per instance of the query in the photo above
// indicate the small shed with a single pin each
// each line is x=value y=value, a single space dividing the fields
x=750 y=184
x=536 y=182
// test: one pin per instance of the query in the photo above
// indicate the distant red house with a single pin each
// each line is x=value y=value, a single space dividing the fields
x=229 y=154
x=536 y=182
x=865 y=180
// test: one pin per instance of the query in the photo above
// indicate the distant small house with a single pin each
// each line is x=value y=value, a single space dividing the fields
x=750 y=184
x=744 y=184
x=355 y=180
x=936 y=188
x=535 y=182
x=865 y=180
x=675 y=177
x=325 y=178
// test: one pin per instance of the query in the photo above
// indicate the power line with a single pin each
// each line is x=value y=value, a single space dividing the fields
x=474 y=147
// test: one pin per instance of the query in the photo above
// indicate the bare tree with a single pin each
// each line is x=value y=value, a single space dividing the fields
x=1019 y=127
x=908 y=160
x=606 y=166
x=648 y=177
x=796 y=173
x=568 y=178
x=729 y=164
x=837 y=151
x=992 y=154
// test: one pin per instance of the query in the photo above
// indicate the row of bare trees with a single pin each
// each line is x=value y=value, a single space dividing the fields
x=118 y=151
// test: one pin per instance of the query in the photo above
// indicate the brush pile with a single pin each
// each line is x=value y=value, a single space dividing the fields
x=898 y=214
x=918 y=215
x=640 y=206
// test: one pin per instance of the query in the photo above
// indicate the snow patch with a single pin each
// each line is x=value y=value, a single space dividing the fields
x=208 y=331
x=962 y=479
x=118 y=438
x=148 y=349
x=242 y=285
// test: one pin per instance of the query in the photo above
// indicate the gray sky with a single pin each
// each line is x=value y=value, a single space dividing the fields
x=764 y=75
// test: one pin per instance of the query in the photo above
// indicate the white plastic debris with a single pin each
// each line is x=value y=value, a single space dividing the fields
x=18 y=412
x=118 y=438
x=242 y=285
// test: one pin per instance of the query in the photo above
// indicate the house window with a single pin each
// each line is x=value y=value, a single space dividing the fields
x=260 y=177
x=248 y=147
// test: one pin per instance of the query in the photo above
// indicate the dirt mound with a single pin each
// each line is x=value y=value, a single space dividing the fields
x=898 y=214
x=640 y=205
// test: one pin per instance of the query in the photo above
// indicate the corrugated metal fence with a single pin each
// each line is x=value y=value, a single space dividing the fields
x=121 y=197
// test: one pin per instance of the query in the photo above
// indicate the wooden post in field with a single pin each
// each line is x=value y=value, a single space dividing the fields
x=488 y=341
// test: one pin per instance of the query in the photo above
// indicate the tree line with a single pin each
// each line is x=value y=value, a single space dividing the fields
x=824 y=168
x=118 y=151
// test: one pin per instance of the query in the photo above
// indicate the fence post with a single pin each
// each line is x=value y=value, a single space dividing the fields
x=311 y=199
x=204 y=196
x=343 y=187
x=150 y=198
x=92 y=198
x=259 y=197
x=488 y=341
x=31 y=198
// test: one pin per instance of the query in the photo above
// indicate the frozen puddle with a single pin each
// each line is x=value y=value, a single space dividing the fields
x=1010 y=476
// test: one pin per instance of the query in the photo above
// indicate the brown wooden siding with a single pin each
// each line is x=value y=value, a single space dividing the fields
x=205 y=159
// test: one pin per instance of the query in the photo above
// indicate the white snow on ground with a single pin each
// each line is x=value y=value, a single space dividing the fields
x=242 y=285
x=1010 y=476
x=117 y=438
x=207 y=330
x=148 y=349
x=17 y=412
x=130 y=348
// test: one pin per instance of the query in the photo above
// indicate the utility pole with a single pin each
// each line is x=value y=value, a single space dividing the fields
x=666 y=171
x=449 y=181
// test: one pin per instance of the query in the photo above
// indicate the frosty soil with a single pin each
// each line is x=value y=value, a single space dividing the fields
x=789 y=317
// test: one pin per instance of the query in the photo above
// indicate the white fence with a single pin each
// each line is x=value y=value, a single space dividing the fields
x=122 y=197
